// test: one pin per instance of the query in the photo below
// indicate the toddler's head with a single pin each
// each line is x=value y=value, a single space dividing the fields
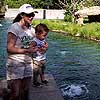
x=41 y=31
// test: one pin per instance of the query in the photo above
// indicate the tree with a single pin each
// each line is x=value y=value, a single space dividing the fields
x=73 y=5
x=34 y=3
x=2 y=8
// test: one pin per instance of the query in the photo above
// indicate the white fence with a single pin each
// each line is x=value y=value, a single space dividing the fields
x=42 y=14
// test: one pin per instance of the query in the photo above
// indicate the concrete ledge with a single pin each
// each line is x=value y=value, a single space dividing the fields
x=4 y=91
x=46 y=92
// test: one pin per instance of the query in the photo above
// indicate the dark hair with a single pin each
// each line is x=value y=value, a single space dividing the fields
x=18 y=17
x=41 y=27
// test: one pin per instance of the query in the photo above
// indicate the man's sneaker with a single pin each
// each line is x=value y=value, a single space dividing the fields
x=44 y=82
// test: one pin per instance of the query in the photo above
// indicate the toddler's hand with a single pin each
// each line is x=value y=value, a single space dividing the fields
x=32 y=49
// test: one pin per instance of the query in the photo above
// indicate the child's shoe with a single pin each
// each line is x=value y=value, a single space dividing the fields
x=36 y=84
x=44 y=82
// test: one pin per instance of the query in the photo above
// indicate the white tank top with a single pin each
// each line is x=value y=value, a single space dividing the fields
x=38 y=55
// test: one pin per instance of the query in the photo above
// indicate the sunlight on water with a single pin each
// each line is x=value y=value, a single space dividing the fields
x=63 y=52
x=74 y=90
x=1 y=25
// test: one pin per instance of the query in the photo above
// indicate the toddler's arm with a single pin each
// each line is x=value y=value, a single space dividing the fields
x=44 y=48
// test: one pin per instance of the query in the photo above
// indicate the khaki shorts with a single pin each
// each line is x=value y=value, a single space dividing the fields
x=18 y=70
x=39 y=64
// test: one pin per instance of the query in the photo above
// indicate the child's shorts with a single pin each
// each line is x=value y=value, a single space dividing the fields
x=39 y=64
x=18 y=70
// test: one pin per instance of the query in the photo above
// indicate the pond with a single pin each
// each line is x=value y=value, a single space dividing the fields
x=74 y=63
x=4 y=23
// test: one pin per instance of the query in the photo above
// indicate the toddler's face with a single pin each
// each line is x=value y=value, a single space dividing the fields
x=41 y=36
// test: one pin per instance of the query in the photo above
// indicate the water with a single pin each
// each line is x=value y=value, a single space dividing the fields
x=4 y=23
x=74 y=63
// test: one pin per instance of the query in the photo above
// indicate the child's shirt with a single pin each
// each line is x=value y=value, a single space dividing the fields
x=38 y=56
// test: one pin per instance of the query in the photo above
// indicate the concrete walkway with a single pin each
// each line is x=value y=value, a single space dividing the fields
x=46 y=92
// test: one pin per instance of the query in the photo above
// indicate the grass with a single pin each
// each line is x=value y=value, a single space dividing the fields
x=89 y=30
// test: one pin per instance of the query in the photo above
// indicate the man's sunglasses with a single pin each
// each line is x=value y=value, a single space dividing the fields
x=30 y=15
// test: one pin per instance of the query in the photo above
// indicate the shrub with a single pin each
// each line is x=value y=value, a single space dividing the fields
x=90 y=31
x=68 y=18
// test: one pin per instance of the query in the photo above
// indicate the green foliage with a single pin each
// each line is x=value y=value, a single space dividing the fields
x=90 y=30
x=2 y=7
x=56 y=36
x=53 y=24
x=34 y=3
x=73 y=5
x=68 y=17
